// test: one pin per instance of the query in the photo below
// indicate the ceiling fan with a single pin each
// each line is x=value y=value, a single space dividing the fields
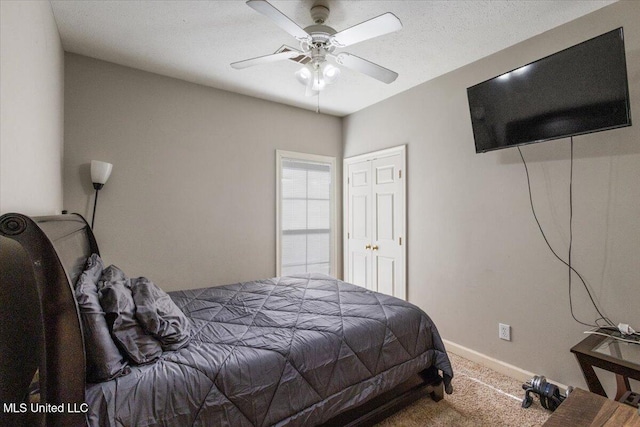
x=318 y=43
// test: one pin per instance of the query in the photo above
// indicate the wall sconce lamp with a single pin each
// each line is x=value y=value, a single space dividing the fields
x=100 y=172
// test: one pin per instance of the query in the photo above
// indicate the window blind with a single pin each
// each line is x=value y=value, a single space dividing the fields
x=306 y=217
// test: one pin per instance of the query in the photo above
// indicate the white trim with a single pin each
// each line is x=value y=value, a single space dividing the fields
x=495 y=364
x=399 y=149
x=387 y=152
x=282 y=154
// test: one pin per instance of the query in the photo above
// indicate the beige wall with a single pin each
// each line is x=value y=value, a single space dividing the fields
x=31 y=109
x=476 y=256
x=191 y=199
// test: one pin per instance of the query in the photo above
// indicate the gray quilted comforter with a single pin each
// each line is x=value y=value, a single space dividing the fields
x=284 y=351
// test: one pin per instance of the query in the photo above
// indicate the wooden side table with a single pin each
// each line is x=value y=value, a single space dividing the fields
x=583 y=408
x=623 y=359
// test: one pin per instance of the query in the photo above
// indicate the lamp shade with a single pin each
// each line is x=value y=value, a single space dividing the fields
x=304 y=74
x=100 y=171
x=329 y=72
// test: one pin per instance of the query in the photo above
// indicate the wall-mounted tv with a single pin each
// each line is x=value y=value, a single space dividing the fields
x=579 y=90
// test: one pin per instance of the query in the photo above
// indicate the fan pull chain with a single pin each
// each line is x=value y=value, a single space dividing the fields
x=317 y=77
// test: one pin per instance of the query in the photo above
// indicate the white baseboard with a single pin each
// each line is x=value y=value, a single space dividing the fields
x=495 y=364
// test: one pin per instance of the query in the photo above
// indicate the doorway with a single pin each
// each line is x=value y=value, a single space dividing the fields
x=375 y=221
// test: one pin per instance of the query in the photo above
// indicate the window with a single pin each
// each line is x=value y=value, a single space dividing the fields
x=306 y=231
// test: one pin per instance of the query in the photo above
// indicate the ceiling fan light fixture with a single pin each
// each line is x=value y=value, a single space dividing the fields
x=330 y=73
x=318 y=82
x=317 y=77
x=304 y=74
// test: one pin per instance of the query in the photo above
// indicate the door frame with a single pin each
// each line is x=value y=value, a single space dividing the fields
x=387 y=152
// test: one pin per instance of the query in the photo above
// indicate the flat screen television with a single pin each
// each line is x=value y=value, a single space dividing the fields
x=579 y=90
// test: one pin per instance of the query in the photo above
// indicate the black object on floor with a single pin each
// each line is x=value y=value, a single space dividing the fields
x=550 y=397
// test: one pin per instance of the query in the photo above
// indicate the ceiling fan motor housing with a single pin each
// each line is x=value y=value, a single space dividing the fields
x=320 y=12
x=319 y=32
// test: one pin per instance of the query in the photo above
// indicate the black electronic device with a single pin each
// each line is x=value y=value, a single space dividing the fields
x=579 y=90
x=550 y=397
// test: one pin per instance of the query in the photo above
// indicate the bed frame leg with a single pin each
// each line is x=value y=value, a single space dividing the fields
x=438 y=393
x=435 y=385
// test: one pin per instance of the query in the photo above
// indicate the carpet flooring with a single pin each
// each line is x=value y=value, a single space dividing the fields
x=481 y=397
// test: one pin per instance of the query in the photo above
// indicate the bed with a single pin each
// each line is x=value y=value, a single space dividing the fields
x=299 y=350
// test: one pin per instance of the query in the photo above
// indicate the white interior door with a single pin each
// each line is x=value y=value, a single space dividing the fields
x=388 y=215
x=359 y=224
x=375 y=212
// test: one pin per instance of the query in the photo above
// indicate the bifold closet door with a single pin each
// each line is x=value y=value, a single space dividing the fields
x=375 y=214
x=359 y=223
x=387 y=214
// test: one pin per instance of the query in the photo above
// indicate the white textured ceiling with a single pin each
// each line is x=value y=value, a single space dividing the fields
x=197 y=40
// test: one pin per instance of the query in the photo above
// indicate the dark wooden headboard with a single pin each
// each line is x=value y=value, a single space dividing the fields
x=40 y=327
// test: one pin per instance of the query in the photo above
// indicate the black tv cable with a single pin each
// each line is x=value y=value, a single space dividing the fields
x=568 y=264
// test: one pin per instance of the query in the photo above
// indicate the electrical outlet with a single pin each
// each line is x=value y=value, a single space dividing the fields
x=504 y=332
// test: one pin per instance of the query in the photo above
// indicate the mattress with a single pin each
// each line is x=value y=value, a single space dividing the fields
x=285 y=351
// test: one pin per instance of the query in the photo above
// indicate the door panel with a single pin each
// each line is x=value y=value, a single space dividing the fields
x=360 y=211
x=359 y=268
x=388 y=214
x=359 y=224
x=385 y=274
x=384 y=174
x=360 y=178
x=384 y=219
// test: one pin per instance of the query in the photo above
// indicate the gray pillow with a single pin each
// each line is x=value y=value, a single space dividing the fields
x=117 y=303
x=104 y=361
x=159 y=315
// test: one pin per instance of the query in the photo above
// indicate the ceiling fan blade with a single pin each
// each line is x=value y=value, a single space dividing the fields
x=266 y=59
x=279 y=18
x=378 y=26
x=366 y=67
